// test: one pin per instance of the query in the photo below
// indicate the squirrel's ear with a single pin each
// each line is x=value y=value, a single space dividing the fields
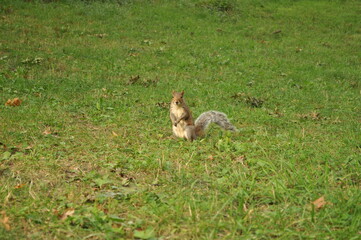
x=182 y=93
x=173 y=93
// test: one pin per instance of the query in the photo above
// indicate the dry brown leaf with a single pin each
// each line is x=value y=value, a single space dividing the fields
x=5 y=221
x=115 y=134
x=67 y=213
x=47 y=131
x=13 y=102
x=319 y=203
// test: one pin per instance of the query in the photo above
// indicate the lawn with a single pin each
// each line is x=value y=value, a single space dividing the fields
x=89 y=152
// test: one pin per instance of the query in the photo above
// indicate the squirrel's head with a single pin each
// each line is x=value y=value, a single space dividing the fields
x=177 y=98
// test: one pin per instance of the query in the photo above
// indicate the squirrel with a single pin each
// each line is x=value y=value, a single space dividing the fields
x=182 y=120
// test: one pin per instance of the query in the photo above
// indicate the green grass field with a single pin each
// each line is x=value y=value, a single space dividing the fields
x=89 y=153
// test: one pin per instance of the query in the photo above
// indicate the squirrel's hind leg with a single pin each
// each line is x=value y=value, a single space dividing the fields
x=190 y=133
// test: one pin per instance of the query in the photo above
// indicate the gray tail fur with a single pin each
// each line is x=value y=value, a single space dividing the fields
x=219 y=118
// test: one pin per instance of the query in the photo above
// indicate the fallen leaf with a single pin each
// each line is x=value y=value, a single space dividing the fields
x=5 y=221
x=47 y=131
x=20 y=185
x=210 y=157
x=115 y=134
x=320 y=202
x=13 y=102
x=67 y=213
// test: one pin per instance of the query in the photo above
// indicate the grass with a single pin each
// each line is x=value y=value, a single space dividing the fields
x=89 y=153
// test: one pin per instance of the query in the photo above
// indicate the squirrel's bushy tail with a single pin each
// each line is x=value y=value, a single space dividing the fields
x=209 y=117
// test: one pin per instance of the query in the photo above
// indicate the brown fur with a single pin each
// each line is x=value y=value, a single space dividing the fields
x=181 y=117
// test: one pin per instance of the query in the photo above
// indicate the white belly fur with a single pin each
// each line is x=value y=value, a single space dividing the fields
x=179 y=130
